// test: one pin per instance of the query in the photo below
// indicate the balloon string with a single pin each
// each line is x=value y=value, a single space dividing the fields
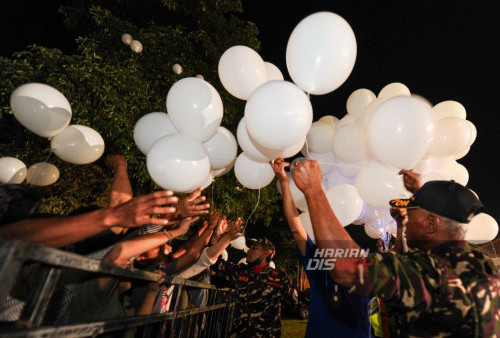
x=258 y=200
x=493 y=247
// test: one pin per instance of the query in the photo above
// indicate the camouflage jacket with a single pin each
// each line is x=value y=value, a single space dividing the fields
x=449 y=291
x=259 y=298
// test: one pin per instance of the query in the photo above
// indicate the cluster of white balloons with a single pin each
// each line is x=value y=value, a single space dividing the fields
x=320 y=56
x=361 y=155
x=187 y=147
x=46 y=112
x=14 y=171
x=135 y=45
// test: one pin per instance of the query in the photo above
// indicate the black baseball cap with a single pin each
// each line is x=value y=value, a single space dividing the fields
x=263 y=242
x=445 y=198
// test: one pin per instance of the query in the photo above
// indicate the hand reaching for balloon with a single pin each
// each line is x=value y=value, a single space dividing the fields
x=234 y=229
x=411 y=180
x=307 y=176
x=400 y=216
x=279 y=166
x=193 y=205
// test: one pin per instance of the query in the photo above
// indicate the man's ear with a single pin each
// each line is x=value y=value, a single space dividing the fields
x=432 y=223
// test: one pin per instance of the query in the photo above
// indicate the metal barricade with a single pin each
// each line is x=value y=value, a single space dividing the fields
x=211 y=320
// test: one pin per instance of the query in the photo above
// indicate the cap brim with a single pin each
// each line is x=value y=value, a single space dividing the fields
x=404 y=203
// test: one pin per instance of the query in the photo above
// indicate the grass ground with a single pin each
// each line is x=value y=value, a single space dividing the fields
x=293 y=328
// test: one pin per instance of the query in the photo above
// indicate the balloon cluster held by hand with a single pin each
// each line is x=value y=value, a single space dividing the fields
x=46 y=112
x=187 y=147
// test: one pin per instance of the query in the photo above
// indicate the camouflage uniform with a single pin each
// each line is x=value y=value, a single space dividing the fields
x=259 y=298
x=449 y=291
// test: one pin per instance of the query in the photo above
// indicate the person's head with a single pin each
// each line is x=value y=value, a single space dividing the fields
x=438 y=212
x=260 y=251
x=17 y=202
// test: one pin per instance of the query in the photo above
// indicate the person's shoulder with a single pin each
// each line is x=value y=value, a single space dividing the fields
x=275 y=272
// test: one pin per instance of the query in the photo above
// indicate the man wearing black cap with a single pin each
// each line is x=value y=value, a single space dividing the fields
x=260 y=291
x=441 y=288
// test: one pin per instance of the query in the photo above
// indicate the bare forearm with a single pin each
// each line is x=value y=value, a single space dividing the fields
x=148 y=303
x=328 y=231
x=292 y=217
x=121 y=190
x=216 y=250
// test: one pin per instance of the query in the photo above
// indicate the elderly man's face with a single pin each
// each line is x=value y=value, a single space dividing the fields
x=415 y=232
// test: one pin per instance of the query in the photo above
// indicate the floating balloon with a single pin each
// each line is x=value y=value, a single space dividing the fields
x=136 y=46
x=359 y=100
x=326 y=161
x=178 y=162
x=195 y=108
x=12 y=170
x=452 y=135
x=177 y=68
x=377 y=184
x=241 y=71
x=221 y=148
x=238 y=243
x=349 y=143
x=41 y=108
x=399 y=131
x=320 y=137
x=346 y=202
x=127 y=39
x=278 y=115
x=78 y=144
x=42 y=174
x=150 y=128
x=252 y=174
x=329 y=119
x=394 y=89
x=482 y=229
x=223 y=171
x=449 y=109
x=321 y=52
x=273 y=72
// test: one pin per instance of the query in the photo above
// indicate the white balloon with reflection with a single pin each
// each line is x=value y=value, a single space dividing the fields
x=221 y=148
x=481 y=229
x=150 y=128
x=252 y=174
x=78 y=144
x=12 y=170
x=42 y=174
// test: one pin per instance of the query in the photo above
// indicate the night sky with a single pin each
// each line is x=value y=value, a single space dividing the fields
x=441 y=50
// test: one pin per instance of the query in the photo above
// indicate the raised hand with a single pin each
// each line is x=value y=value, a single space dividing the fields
x=411 y=180
x=185 y=224
x=193 y=205
x=279 y=166
x=213 y=221
x=148 y=209
x=400 y=216
x=234 y=229
x=114 y=162
x=307 y=175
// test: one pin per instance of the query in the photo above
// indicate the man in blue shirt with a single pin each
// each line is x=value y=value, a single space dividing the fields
x=333 y=310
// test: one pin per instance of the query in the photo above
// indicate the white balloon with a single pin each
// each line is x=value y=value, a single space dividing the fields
x=481 y=229
x=346 y=202
x=177 y=68
x=377 y=184
x=223 y=171
x=42 y=174
x=199 y=76
x=273 y=72
x=127 y=39
x=473 y=132
x=278 y=115
x=334 y=177
x=346 y=120
x=272 y=265
x=208 y=180
x=452 y=135
x=373 y=231
x=241 y=71
x=224 y=255
x=461 y=154
x=136 y=46
x=399 y=131
x=195 y=108
x=348 y=169
x=178 y=162
x=326 y=161
x=41 y=108
x=329 y=119
x=238 y=243
x=359 y=100
x=242 y=261
x=221 y=148
x=252 y=174
x=449 y=109
x=12 y=170
x=321 y=53
x=305 y=219
x=320 y=137
x=349 y=143
x=150 y=128
x=460 y=174
x=394 y=89
x=78 y=144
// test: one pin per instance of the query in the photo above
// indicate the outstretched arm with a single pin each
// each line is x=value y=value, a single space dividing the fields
x=233 y=231
x=328 y=231
x=59 y=232
x=291 y=214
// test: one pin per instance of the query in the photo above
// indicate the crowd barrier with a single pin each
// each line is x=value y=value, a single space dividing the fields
x=52 y=266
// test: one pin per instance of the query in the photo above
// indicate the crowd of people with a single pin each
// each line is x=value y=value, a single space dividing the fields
x=428 y=283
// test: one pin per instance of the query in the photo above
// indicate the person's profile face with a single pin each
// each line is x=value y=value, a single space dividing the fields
x=415 y=234
x=255 y=252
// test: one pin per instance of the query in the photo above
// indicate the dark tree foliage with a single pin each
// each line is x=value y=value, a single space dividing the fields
x=110 y=87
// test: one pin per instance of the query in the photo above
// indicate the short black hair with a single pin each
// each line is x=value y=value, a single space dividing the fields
x=17 y=202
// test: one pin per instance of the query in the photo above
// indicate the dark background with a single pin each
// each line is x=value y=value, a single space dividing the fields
x=441 y=50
